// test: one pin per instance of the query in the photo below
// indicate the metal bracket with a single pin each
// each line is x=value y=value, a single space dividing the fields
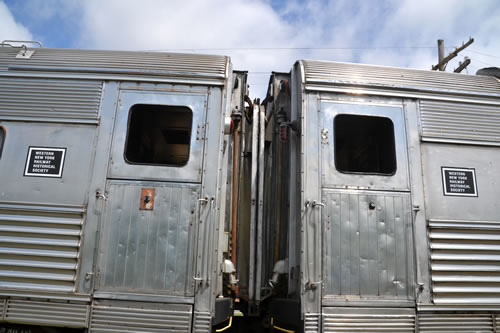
x=100 y=195
x=203 y=201
x=317 y=203
x=312 y=285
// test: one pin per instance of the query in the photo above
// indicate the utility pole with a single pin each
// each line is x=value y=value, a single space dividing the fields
x=441 y=55
x=462 y=65
x=443 y=61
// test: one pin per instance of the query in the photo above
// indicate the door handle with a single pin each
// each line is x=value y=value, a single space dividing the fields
x=317 y=203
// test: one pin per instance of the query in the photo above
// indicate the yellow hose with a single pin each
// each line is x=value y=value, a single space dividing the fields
x=228 y=325
x=279 y=328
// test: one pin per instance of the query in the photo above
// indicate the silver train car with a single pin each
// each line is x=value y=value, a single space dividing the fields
x=112 y=184
x=382 y=198
x=139 y=193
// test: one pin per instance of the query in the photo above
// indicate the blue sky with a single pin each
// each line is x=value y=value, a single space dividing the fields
x=267 y=35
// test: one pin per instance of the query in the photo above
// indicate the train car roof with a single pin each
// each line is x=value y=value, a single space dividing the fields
x=212 y=69
x=328 y=75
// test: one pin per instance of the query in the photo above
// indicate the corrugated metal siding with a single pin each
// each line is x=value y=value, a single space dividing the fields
x=47 y=313
x=140 y=318
x=164 y=236
x=328 y=73
x=465 y=262
x=3 y=305
x=368 y=320
x=202 y=322
x=124 y=62
x=39 y=251
x=49 y=100
x=467 y=323
x=312 y=322
x=460 y=121
x=368 y=252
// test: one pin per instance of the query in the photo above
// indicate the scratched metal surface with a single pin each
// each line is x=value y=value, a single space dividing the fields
x=149 y=251
x=367 y=253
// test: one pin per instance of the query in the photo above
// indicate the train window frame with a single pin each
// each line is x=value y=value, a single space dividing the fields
x=175 y=153
x=361 y=133
x=3 y=135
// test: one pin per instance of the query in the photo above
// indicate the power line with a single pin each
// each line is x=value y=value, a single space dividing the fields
x=484 y=54
x=291 y=48
x=480 y=61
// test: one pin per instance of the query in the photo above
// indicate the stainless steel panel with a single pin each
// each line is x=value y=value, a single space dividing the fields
x=71 y=188
x=202 y=322
x=3 y=305
x=367 y=252
x=39 y=251
x=191 y=172
x=485 y=161
x=312 y=322
x=345 y=74
x=440 y=322
x=118 y=62
x=47 y=313
x=331 y=177
x=134 y=296
x=460 y=121
x=49 y=100
x=140 y=317
x=465 y=262
x=149 y=251
x=368 y=319
x=423 y=279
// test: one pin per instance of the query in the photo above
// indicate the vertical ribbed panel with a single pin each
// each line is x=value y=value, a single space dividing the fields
x=47 y=313
x=465 y=262
x=312 y=323
x=368 y=250
x=141 y=318
x=368 y=320
x=149 y=250
x=460 y=121
x=49 y=100
x=467 y=323
x=39 y=251
x=202 y=322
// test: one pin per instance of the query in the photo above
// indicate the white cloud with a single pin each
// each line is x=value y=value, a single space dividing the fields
x=9 y=28
x=341 y=30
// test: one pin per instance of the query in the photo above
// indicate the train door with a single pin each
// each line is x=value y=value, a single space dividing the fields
x=366 y=218
x=149 y=231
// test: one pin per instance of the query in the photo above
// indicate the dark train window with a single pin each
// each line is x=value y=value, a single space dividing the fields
x=2 y=139
x=159 y=135
x=364 y=144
